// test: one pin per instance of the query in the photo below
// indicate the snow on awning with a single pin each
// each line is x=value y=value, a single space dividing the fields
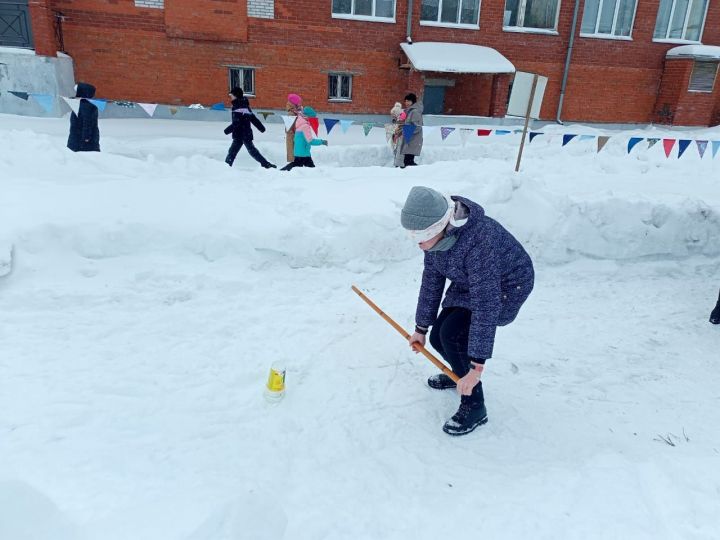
x=456 y=58
x=701 y=52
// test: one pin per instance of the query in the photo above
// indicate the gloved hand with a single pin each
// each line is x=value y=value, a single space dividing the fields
x=324 y=142
x=227 y=130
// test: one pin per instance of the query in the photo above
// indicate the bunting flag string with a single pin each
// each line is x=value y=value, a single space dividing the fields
x=701 y=146
x=345 y=125
x=329 y=124
x=632 y=143
x=534 y=134
x=567 y=138
x=149 y=108
x=682 y=146
x=668 y=145
x=601 y=142
x=408 y=131
x=445 y=131
x=74 y=104
x=367 y=126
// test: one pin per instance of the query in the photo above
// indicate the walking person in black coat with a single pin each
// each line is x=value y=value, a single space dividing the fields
x=241 y=129
x=715 y=315
x=84 y=131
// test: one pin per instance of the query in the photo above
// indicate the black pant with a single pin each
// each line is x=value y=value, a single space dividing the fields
x=235 y=147
x=408 y=159
x=449 y=337
x=299 y=162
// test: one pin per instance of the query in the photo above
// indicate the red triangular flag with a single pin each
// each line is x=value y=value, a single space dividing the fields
x=484 y=132
x=668 y=144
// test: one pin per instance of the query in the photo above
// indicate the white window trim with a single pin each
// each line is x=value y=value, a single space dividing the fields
x=450 y=25
x=440 y=24
x=676 y=41
x=715 y=80
x=685 y=24
x=246 y=94
x=521 y=11
x=341 y=99
x=611 y=35
x=365 y=18
x=523 y=30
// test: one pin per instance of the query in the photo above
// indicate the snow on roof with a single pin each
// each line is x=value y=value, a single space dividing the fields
x=456 y=58
x=710 y=52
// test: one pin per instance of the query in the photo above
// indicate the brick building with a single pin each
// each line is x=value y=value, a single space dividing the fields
x=631 y=60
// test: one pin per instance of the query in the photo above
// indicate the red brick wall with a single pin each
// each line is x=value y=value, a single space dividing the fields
x=42 y=27
x=687 y=108
x=144 y=54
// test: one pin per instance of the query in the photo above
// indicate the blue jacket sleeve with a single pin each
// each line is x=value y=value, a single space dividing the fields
x=485 y=301
x=431 y=291
x=316 y=142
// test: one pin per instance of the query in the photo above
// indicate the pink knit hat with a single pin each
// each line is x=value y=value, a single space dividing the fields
x=295 y=99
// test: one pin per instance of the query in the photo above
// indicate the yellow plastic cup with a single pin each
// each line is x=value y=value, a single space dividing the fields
x=275 y=387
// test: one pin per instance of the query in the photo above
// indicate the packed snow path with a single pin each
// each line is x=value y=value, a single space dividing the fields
x=152 y=287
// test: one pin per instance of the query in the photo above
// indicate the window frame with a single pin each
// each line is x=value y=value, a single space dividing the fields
x=715 y=79
x=612 y=35
x=365 y=18
x=670 y=18
x=438 y=23
x=532 y=29
x=339 y=75
x=242 y=69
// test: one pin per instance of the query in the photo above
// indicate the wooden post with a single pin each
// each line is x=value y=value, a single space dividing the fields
x=404 y=334
x=527 y=120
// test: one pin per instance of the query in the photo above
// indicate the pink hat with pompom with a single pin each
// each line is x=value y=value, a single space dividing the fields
x=295 y=99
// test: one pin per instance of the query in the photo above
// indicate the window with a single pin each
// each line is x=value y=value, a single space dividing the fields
x=680 y=20
x=452 y=12
x=383 y=10
x=608 y=17
x=703 y=76
x=540 y=14
x=339 y=87
x=244 y=78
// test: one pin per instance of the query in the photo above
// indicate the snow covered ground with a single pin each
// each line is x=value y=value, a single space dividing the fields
x=146 y=291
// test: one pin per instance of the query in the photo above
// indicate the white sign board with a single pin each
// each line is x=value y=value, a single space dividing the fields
x=520 y=95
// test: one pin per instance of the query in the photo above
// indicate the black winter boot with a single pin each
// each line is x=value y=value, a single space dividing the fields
x=715 y=315
x=441 y=382
x=470 y=415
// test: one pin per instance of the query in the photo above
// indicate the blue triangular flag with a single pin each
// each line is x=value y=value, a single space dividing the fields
x=502 y=132
x=46 y=101
x=567 y=139
x=329 y=124
x=534 y=134
x=715 y=147
x=408 y=131
x=682 y=146
x=218 y=107
x=345 y=125
x=632 y=142
x=586 y=137
x=99 y=103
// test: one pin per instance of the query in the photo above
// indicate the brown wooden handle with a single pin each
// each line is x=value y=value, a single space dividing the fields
x=407 y=336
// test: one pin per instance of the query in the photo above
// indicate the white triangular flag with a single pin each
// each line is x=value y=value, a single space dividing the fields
x=149 y=107
x=73 y=103
x=464 y=134
x=288 y=121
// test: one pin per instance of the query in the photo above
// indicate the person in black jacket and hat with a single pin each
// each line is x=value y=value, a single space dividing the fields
x=241 y=128
x=84 y=131
x=715 y=315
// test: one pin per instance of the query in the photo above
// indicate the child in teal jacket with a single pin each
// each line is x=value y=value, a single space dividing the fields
x=305 y=139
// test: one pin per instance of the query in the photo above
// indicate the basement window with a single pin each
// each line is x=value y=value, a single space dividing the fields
x=703 y=76
x=243 y=77
x=339 y=87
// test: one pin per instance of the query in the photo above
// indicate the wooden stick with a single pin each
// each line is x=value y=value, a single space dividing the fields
x=527 y=121
x=404 y=334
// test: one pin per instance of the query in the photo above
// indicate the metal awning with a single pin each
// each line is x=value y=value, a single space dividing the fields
x=698 y=52
x=456 y=58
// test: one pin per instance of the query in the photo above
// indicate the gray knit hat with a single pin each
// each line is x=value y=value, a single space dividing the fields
x=423 y=207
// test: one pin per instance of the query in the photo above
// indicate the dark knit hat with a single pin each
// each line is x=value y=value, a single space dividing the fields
x=411 y=97
x=237 y=92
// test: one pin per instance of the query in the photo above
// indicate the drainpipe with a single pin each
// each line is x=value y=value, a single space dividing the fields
x=567 y=61
x=408 y=34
